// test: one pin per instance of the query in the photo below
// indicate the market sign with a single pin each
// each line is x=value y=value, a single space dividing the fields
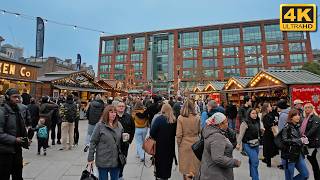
x=307 y=94
x=9 y=69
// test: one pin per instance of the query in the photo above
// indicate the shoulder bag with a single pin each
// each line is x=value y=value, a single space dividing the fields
x=149 y=146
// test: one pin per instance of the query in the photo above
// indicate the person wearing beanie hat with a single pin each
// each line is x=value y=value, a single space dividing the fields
x=217 y=152
x=13 y=136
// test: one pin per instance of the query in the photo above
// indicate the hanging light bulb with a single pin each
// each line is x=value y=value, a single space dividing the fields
x=74 y=27
x=45 y=21
x=3 y=12
x=17 y=14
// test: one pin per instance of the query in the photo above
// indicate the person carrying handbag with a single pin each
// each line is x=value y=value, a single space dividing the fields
x=105 y=145
x=249 y=136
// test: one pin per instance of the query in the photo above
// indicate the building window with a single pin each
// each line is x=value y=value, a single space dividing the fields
x=162 y=46
x=119 y=67
x=105 y=68
x=190 y=53
x=136 y=57
x=273 y=33
x=210 y=73
x=298 y=58
x=297 y=47
x=231 y=36
x=137 y=66
x=105 y=59
x=253 y=60
x=276 y=68
x=138 y=44
x=252 y=50
x=251 y=34
x=189 y=39
x=296 y=35
x=274 y=48
x=107 y=47
x=230 y=61
x=296 y=67
x=231 y=51
x=209 y=52
x=138 y=75
x=209 y=63
x=189 y=63
x=119 y=76
x=252 y=71
x=121 y=58
x=105 y=76
x=231 y=72
x=210 y=38
x=123 y=45
x=277 y=59
x=187 y=74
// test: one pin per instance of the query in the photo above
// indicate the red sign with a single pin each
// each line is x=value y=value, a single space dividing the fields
x=216 y=97
x=307 y=94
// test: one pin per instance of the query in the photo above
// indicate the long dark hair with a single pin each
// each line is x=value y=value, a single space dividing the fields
x=292 y=113
x=249 y=119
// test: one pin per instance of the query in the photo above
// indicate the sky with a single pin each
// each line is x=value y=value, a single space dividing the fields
x=123 y=16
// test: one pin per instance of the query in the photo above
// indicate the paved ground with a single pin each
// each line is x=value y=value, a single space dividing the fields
x=68 y=165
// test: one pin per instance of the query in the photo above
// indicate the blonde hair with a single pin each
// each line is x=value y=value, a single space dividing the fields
x=188 y=108
x=167 y=111
x=310 y=106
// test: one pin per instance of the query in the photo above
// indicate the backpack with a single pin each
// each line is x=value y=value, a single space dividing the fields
x=42 y=132
x=70 y=112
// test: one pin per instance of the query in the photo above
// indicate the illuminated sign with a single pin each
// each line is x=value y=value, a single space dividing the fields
x=10 y=69
x=298 y=17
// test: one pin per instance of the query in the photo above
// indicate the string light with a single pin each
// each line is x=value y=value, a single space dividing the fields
x=45 y=20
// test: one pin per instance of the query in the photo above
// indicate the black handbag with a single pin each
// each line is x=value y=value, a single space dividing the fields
x=88 y=175
x=198 y=147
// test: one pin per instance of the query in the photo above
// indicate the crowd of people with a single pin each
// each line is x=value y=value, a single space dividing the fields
x=173 y=123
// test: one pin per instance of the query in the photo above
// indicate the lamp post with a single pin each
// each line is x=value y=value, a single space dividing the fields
x=178 y=70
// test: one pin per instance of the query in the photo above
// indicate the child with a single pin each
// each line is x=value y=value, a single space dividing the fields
x=42 y=135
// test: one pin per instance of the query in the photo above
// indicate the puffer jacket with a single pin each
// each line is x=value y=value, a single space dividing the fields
x=217 y=161
x=103 y=146
x=8 y=129
x=140 y=121
x=95 y=111
x=313 y=131
x=292 y=140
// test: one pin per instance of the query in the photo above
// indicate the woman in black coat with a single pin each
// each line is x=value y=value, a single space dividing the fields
x=163 y=131
x=269 y=148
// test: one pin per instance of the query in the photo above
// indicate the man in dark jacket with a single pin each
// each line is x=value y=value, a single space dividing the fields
x=94 y=114
x=231 y=113
x=13 y=136
x=34 y=109
x=244 y=109
x=128 y=126
x=154 y=108
x=25 y=97
x=177 y=107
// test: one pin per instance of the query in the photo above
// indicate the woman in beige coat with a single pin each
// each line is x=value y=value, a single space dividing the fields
x=188 y=130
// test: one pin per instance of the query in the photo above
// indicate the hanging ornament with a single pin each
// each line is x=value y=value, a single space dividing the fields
x=315 y=98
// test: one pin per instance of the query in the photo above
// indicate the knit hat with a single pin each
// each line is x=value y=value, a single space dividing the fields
x=12 y=91
x=215 y=119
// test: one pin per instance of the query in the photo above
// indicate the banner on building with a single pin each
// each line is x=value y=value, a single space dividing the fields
x=78 y=62
x=40 y=37
x=308 y=94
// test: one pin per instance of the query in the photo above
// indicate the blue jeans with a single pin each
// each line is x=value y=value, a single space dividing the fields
x=103 y=173
x=232 y=123
x=253 y=154
x=89 y=133
x=140 y=135
x=300 y=165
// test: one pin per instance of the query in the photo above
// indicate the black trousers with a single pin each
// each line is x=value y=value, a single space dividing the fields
x=42 y=143
x=76 y=132
x=125 y=149
x=314 y=163
x=53 y=131
x=11 y=164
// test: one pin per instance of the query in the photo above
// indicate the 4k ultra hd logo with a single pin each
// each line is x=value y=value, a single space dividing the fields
x=298 y=17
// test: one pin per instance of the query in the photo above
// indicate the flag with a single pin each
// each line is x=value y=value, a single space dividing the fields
x=78 y=62
x=39 y=37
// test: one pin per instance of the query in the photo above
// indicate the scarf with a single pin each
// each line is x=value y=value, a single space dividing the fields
x=304 y=125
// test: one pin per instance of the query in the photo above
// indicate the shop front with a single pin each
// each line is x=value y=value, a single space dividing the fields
x=112 y=88
x=19 y=75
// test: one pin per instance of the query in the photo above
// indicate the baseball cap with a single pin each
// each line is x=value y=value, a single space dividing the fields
x=297 y=101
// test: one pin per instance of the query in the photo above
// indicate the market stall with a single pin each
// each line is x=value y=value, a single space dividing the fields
x=273 y=85
x=233 y=90
x=112 y=87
